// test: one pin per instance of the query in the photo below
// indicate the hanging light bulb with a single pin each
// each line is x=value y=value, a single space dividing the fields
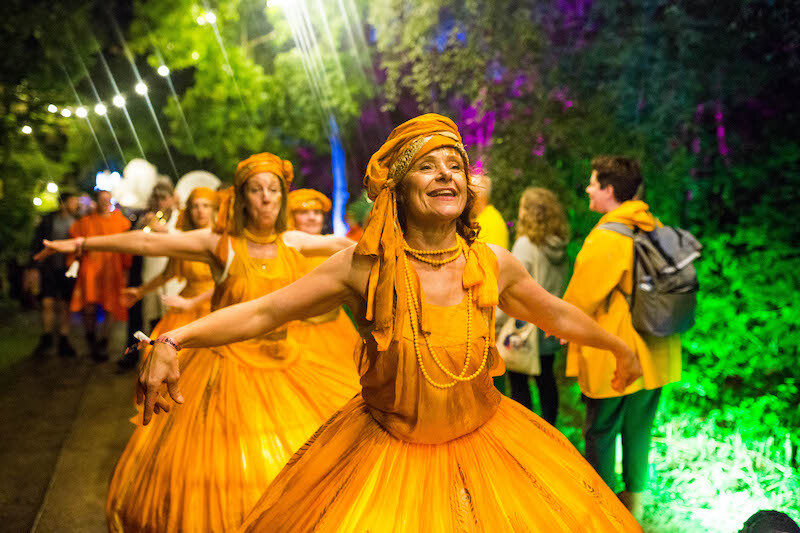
x=81 y=112
x=27 y=130
x=141 y=88
x=52 y=108
x=163 y=70
x=37 y=201
x=211 y=18
x=119 y=101
x=52 y=187
x=100 y=109
x=66 y=113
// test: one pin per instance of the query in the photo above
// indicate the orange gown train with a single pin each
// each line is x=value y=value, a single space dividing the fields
x=406 y=456
x=248 y=407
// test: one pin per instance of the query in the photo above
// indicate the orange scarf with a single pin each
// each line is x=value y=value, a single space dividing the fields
x=383 y=238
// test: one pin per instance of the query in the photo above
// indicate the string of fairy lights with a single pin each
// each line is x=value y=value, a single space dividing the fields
x=101 y=109
x=119 y=100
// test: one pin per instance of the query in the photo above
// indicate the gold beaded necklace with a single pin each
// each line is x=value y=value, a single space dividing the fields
x=415 y=312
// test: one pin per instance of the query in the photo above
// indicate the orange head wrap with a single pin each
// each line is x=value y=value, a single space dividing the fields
x=308 y=199
x=184 y=219
x=383 y=238
x=255 y=164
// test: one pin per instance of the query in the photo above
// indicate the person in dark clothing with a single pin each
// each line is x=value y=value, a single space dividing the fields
x=56 y=288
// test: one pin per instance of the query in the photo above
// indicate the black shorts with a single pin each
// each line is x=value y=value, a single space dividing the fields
x=56 y=285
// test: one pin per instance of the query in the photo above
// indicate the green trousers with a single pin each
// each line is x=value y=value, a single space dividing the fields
x=631 y=416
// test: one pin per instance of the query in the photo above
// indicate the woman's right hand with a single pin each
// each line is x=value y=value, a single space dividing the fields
x=628 y=370
x=159 y=368
x=131 y=295
x=65 y=246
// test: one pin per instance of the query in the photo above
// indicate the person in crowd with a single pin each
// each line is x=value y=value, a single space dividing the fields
x=333 y=330
x=161 y=216
x=251 y=404
x=55 y=287
x=542 y=234
x=194 y=300
x=356 y=216
x=102 y=275
x=429 y=444
x=493 y=228
x=601 y=281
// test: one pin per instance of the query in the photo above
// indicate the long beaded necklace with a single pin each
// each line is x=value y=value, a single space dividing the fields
x=415 y=311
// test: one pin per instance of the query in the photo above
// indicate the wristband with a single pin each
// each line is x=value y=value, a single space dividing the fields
x=164 y=339
x=79 y=246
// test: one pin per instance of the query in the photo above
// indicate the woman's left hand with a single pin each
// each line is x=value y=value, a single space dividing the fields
x=178 y=302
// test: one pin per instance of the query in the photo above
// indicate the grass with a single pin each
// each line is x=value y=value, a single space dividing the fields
x=703 y=478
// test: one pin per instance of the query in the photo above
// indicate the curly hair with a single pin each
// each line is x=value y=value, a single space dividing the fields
x=541 y=215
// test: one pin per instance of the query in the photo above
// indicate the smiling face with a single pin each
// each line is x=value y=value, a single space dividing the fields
x=263 y=197
x=435 y=187
x=202 y=211
x=600 y=200
x=309 y=220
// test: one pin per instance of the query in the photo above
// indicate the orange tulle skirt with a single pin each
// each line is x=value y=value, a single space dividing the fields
x=514 y=473
x=203 y=465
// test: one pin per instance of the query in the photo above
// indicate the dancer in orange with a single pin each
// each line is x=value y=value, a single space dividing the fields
x=429 y=444
x=102 y=275
x=202 y=466
x=194 y=301
x=333 y=331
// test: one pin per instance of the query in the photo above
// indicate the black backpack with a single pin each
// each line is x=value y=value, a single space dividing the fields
x=665 y=282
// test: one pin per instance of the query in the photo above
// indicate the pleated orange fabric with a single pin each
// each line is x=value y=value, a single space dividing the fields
x=333 y=333
x=198 y=280
x=249 y=406
x=406 y=456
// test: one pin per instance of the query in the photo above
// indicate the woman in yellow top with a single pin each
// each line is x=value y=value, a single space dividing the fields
x=194 y=300
x=250 y=405
x=429 y=444
x=333 y=332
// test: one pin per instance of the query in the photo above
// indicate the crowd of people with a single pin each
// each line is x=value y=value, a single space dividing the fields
x=352 y=384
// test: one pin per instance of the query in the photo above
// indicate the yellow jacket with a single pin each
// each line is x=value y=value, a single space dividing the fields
x=603 y=266
x=493 y=228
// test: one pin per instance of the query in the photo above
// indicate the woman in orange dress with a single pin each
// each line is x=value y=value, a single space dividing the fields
x=333 y=332
x=249 y=405
x=194 y=300
x=429 y=444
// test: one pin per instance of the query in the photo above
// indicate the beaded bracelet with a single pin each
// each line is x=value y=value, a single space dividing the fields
x=164 y=339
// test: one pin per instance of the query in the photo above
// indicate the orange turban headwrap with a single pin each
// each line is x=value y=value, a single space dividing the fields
x=255 y=164
x=183 y=222
x=383 y=238
x=308 y=199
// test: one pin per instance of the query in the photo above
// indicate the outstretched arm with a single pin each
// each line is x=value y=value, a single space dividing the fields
x=324 y=288
x=316 y=245
x=197 y=245
x=521 y=297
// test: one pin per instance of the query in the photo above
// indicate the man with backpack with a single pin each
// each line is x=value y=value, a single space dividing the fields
x=602 y=286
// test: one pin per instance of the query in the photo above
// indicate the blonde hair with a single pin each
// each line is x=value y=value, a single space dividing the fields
x=541 y=215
